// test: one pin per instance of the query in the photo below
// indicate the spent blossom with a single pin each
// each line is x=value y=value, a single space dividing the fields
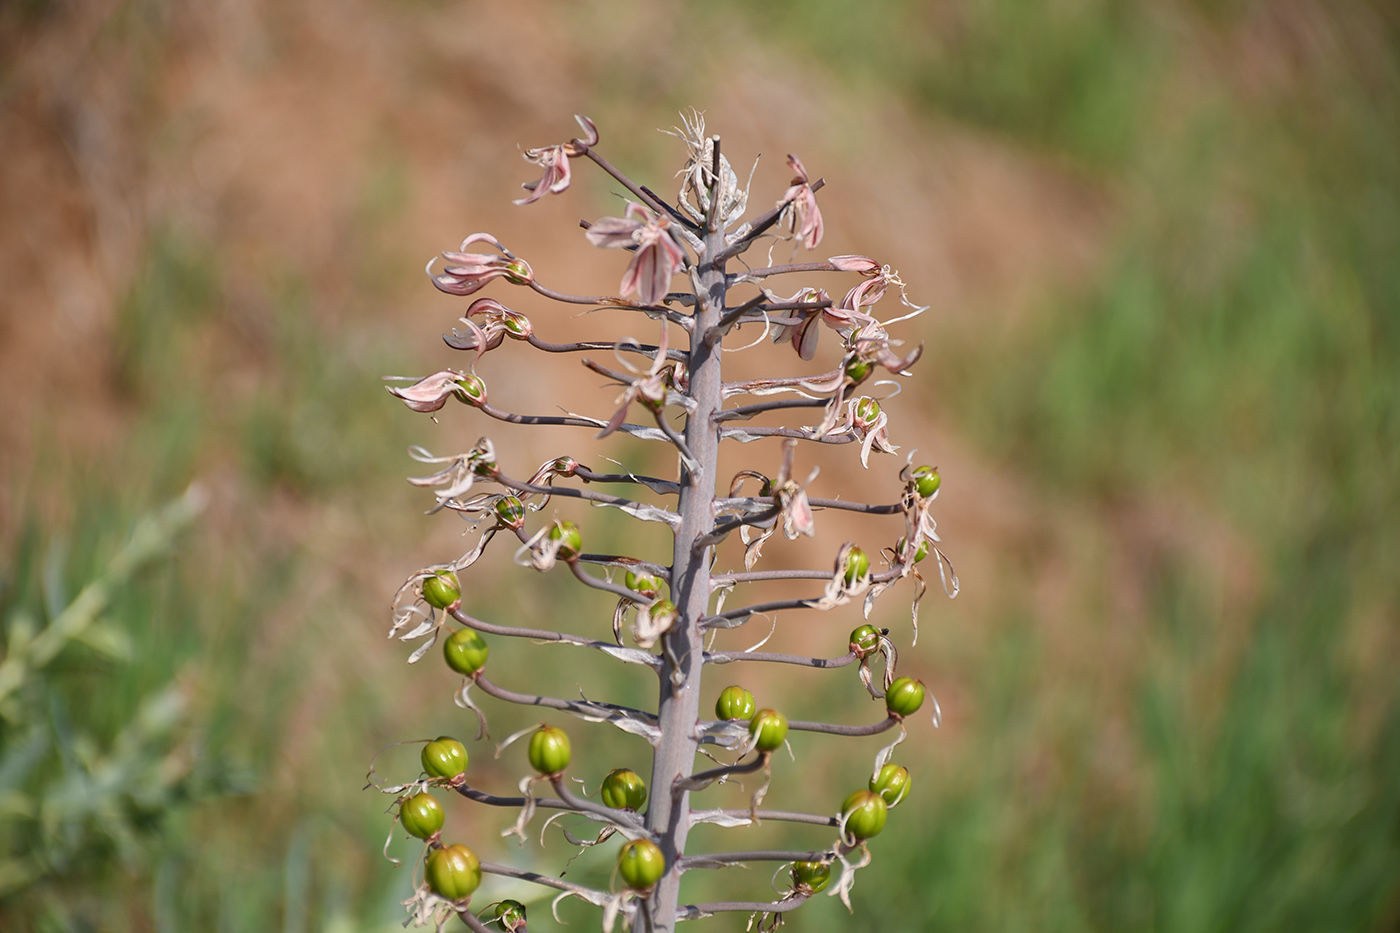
x=464 y=273
x=496 y=322
x=658 y=255
x=555 y=162
x=432 y=392
x=804 y=217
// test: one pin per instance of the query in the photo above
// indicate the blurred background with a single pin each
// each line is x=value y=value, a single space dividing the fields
x=1161 y=242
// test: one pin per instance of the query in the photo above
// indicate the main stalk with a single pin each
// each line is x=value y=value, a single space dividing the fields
x=679 y=707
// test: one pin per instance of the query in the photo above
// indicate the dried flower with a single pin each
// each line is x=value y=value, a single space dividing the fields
x=804 y=217
x=555 y=162
x=658 y=256
x=496 y=323
x=464 y=273
x=431 y=392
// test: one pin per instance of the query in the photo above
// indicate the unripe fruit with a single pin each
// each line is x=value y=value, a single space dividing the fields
x=865 y=812
x=549 y=750
x=471 y=390
x=641 y=864
x=624 y=789
x=441 y=589
x=518 y=273
x=857 y=565
x=857 y=369
x=864 y=640
x=444 y=757
x=904 y=697
x=735 y=703
x=813 y=876
x=926 y=481
x=919 y=555
x=421 y=815
x=892 y=783
x=453 y=872
x=465 y=651
x=867 y=409
x=509 y=914
x=510 y=510
x=662 y=609
x=768 y=727
x=644 y=583
x=568 y=533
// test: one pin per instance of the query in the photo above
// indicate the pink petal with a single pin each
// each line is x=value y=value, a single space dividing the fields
x=613 y=232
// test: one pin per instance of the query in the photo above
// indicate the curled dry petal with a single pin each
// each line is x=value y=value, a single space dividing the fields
x=862 y=264
x=805 y=217
x=555 y=162
x=431 y=392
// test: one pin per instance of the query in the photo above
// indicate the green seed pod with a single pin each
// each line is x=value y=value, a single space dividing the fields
x=641 y=864
x=644 y=583
x=511 y=511
x=926 y=481
x=471 y=390
x=768 y=727
x=441 y=589
x=857 y=369
x=624 y=789
x=518 y=272
x=919 y=555
x=444 y=757
x=892 y=783
x=465 y=651
x=904 y=697
x=867 y=409
x=857 y=565
x=811 y=876
x=865 y=640
x=509 y=914
x=453 y=872
x=568 y=533
x=735 y=703
x=421 y=815
x=549 y=750
x=865 y=813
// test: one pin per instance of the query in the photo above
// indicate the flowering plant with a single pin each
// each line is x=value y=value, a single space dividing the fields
x=677 y=604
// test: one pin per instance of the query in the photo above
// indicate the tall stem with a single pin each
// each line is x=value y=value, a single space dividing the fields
x=679 y=708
